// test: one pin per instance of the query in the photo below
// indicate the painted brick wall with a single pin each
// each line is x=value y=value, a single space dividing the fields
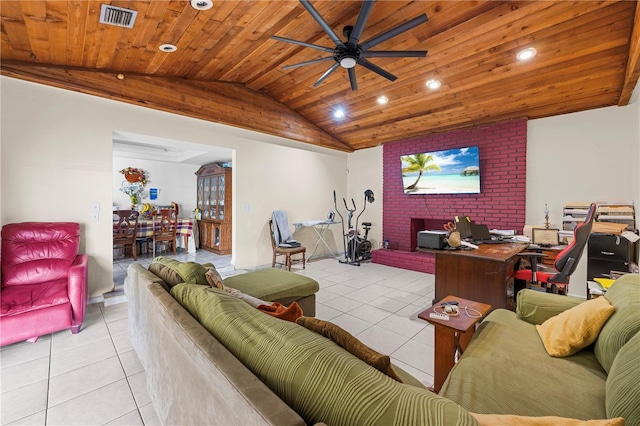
x=501 y=203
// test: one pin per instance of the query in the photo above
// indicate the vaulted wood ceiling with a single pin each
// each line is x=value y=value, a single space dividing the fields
x=227 y=69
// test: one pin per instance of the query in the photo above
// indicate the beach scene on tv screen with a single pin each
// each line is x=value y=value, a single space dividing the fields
x=454 y=171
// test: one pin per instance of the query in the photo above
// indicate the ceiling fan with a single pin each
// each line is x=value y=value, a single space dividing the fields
x=351 y=52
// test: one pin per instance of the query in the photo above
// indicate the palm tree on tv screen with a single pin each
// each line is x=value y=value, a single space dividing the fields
x=419 y=163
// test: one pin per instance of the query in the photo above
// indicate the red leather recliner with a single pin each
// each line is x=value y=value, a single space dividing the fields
x=44 y=280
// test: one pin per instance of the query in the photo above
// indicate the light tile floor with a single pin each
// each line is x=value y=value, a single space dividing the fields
x=95 y=377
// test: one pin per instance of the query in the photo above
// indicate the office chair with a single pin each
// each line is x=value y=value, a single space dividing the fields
x=565 y=263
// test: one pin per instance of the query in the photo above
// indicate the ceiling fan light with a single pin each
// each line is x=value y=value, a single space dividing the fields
x=202 y=4
x=433 y=84
x=348 y=62
x=526 y=54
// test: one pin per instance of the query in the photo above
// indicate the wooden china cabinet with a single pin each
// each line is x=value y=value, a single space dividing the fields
x=214 y=202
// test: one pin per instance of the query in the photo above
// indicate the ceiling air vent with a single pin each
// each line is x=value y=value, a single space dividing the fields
x=118 y=16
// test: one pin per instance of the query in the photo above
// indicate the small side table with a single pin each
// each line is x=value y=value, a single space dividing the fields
x=452 y=336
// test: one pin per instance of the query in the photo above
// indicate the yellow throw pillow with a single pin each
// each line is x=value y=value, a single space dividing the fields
x=354 y=346
x=509 y=419
x=576 y=328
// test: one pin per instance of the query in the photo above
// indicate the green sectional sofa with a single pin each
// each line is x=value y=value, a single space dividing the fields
x=256 y=369
x=506 y=370
x=211 y=358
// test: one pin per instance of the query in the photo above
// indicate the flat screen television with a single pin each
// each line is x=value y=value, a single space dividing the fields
x=454 y=171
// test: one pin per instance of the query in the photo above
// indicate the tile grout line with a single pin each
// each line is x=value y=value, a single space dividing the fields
x=126 y=377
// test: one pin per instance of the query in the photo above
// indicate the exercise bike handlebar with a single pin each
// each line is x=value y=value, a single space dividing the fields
x=363 y=209
x=335 y=204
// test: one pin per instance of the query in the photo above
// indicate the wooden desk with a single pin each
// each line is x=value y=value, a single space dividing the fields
x=452 y=336
x=484 y=274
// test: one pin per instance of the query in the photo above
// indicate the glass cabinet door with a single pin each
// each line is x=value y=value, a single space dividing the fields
x=205 y=197
x=200 y=195
x=221 y=197
x=214 y=197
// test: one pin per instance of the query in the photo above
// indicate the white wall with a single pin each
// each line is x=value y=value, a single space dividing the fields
x=586 y=156
x=56 y=158
x=365 y=172
x=175 y=182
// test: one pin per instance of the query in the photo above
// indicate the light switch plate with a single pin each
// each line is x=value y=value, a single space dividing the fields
x=95 y=216
x=95 y=206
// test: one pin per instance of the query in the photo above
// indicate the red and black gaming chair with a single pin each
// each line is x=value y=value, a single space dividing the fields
x=566 y=261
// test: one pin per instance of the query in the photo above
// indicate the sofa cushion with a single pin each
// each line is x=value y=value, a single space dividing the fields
x=506 y=370
x=346 y=340
x=273 y=284
x=536 y=307
x=38 y=252
x=24 y=298
x=576 y=328
x=168 y=275
x=188 y=272
x=317 y=378
x=623 y=383
x=624 y=295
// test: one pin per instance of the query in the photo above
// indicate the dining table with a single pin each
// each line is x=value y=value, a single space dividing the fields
x=185 y=228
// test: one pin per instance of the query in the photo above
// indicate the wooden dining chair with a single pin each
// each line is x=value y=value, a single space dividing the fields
x=165 y=226
x=286 y=252
x=124 y=230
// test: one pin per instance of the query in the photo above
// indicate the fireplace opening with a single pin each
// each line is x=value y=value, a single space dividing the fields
x=424 y=224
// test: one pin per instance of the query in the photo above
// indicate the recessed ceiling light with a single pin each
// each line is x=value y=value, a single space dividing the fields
x=168 y=48
x=382 y=100
x=525 y=54
x=201 y=4
x=433 y=84
x=339 y=113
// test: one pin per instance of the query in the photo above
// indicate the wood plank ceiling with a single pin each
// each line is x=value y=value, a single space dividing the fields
x=227 y=69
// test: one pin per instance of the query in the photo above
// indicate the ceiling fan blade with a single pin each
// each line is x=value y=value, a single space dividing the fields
x=377 y=70
x=327 y=29
x=365 y=10
x=395 y=54
x=394 y=32
x=302 y=43
x=352 y=78
x=314 y=61
x=326 y=74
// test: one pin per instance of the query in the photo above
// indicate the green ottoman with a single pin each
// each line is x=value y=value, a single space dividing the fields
x=278 y=285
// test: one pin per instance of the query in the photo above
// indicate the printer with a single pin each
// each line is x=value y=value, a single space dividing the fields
x=432 y=239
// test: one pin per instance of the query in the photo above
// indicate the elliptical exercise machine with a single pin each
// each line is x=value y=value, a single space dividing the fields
x=356 y=249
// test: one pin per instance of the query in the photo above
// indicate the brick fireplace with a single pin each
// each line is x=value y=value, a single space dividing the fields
x=501 y=203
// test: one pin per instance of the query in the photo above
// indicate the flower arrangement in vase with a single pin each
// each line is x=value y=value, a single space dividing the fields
x=136 y=179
